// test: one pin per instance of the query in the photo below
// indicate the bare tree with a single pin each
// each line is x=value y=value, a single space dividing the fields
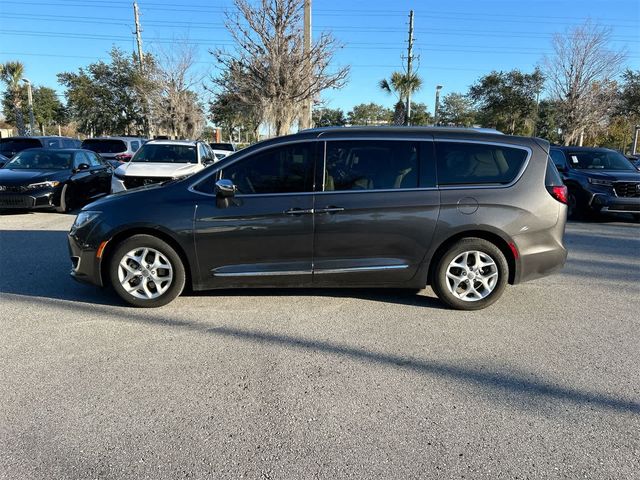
x=580 y=74
x=175 y=90
x=269 y=70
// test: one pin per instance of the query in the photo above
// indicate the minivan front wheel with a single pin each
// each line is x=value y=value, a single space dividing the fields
x=471 y=275
x=146 y=272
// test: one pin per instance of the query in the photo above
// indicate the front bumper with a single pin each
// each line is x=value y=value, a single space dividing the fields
x=43 y=199
x=609 y=203
x=85 y=265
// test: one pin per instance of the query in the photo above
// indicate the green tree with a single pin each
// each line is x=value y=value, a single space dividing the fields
x=234 y=117
x=548 y=121
x=105 y=98
x=457 y=110
x=329 y=117
x=11 y=74
x=369 y=114
x=402 y=85
x=420 y=115
x=507 y=100
x=47 y=108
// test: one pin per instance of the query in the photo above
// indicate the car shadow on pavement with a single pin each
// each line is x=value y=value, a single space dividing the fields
x=519 y=388
x=36 y=263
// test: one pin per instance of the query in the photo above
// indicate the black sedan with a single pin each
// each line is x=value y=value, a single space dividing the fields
x=63 y=179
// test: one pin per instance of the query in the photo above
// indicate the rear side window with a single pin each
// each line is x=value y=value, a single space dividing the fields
x=53 y=143
x=135 y=145
x=558 y=158
x=104 y=146
x=371 y=165
x=11 y=146
x=461 y=163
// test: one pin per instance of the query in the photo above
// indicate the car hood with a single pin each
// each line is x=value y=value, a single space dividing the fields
x=144 y=169
x=10 y=176
x=613 y=175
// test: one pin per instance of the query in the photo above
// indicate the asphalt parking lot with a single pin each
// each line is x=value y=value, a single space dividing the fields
x=297 y=384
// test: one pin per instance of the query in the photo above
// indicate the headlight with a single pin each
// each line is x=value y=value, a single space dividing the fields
x=37 y=186
x=84 y=218
x=603 y=183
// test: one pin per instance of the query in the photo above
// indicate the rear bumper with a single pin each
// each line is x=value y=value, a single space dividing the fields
x=605 y=203
x=540 y=264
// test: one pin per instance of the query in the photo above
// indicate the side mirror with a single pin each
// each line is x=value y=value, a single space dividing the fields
x=82 y=166
x=225 y=188
x=207 y=161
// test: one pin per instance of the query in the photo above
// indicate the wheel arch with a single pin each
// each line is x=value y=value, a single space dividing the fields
x=503 y=244
x=122 y=235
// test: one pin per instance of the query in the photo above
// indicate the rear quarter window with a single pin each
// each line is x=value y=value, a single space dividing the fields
x=462 y=163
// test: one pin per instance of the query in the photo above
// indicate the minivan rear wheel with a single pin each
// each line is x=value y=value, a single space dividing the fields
x=146 y=272
x=471 y=275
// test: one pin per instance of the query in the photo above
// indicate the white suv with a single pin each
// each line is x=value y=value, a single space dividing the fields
x=161 y=160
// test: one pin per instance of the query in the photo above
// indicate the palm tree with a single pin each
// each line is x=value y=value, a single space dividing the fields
x=402 y=85
x=11 y=74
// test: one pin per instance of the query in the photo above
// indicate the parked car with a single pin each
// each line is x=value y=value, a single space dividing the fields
x=599 y=180
x=45 y=178
x=3 y=160
x=10 y=146
x=158 y=161
x=116 y=150
x=462 y=211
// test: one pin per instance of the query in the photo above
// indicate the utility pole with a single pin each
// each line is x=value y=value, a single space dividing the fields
x=409 y=67
x=32 y=121
x=136 y=17
x=437 y=106
x=305 y=119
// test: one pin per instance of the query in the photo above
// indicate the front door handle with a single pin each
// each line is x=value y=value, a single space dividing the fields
x=298 y=211
x=330 y=209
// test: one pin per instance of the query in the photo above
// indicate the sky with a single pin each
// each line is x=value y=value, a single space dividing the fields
x=456 y=42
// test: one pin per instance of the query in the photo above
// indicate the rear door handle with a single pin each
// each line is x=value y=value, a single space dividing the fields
x=330 y=209
x=298 y=211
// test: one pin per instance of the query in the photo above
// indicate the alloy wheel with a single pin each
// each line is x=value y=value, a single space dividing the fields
x=472 y=276
x=145 y=273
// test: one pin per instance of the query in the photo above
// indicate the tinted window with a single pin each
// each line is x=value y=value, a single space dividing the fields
x=11 y=146
x=222 y=146
x=599 y=160
x=371 y=165
x=52 y=143
x=41 y=160
x=68 y=143
x=81 y=157
x=286 y=169
x=204 y=152
x=104 y=145
x=94 y=160
x=462 y=163
x=558 y=158
x=135 y=145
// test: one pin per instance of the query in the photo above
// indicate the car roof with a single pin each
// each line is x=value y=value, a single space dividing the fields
x=173 y=142
x=51 y=150
x=115 y=138
x=39 y=137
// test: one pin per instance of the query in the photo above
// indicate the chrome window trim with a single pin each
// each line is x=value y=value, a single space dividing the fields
x=483 y=186
x=470 y=186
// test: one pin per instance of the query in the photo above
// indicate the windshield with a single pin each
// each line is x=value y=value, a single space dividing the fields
x=163 y=153
x=11 y=146
x=105 y=146
x=41 y=160
x=603 y=160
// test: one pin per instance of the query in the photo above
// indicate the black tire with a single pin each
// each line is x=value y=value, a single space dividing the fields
x=63 y=205
x=440 y=282
x=140 y=242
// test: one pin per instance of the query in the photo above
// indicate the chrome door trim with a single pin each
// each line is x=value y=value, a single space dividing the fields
x=360 y=269
x=262 y=273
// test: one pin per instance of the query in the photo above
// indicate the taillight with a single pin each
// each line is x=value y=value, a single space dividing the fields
x=124 y=157
x=560 y=193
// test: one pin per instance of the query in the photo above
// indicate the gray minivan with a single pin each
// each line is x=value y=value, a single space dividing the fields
x=463 y=211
